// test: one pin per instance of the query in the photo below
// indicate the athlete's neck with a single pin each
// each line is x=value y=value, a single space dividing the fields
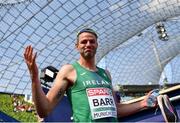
x=88 y=64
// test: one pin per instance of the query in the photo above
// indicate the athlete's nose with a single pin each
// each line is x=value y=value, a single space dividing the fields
x=88 y=43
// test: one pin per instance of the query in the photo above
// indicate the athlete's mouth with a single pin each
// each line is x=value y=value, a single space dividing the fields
x=88 y=50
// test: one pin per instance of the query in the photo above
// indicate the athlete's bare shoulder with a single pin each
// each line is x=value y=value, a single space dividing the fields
x=68 y=72
x=67 y=67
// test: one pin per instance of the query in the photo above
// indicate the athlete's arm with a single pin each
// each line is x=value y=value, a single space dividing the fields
x=44 y=104
x=128 y=109
x=38 y=95
x=64 y=79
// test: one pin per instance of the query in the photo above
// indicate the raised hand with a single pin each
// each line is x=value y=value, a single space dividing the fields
x=30 y=60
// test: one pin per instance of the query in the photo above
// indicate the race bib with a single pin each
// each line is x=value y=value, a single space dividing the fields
x=101 y=103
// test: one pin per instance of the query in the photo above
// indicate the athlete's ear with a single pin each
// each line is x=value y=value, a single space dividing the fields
x=76 y=44
x=97 y=43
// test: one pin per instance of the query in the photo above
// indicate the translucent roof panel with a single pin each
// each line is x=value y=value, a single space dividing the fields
x=50 y=26
x=142 y=59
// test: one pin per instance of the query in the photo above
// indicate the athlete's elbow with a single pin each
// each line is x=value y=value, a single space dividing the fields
x=43 y=114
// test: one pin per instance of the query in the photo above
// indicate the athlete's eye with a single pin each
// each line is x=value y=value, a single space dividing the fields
x=91 y=41
x=83 y=42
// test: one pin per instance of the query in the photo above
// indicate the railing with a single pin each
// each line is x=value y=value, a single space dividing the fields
x=174 y=88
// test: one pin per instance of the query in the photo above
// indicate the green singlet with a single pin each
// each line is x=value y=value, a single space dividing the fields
x=91 y=96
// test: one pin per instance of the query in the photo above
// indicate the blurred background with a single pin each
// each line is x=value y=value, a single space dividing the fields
x=139 y=43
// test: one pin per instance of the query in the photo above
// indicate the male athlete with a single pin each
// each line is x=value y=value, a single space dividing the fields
x=88 y=87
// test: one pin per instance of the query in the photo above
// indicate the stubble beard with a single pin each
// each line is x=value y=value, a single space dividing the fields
x=88 y=55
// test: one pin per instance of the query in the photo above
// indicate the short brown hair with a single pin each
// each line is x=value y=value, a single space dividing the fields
x=87 y=30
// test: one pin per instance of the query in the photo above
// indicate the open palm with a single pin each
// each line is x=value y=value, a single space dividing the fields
x=30 y=60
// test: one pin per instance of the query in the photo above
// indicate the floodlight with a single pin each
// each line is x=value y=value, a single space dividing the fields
x=161 y=31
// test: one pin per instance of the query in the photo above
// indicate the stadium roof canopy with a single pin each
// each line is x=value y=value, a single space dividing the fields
x=128 y=40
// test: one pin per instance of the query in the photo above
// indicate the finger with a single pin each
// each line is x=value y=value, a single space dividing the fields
x=30 y=54
x=26 y=52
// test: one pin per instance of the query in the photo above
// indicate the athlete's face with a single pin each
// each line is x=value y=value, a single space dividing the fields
x=87 y=45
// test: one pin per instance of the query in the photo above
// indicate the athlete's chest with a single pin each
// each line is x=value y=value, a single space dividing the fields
x=88 y=79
